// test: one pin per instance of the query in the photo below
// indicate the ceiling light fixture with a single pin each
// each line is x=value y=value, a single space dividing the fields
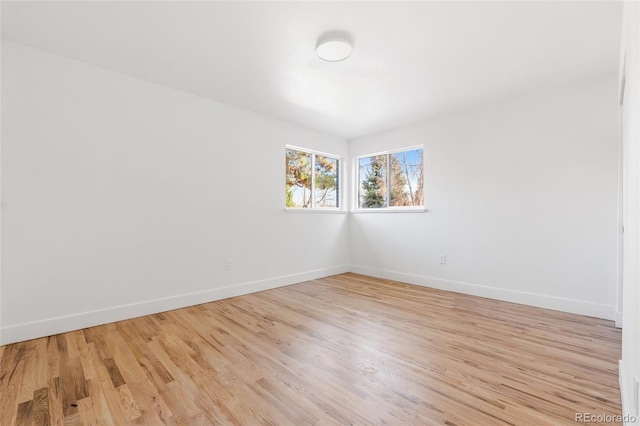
x=334 y=47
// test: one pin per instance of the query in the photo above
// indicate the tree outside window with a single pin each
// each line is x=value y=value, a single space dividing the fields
x=393 y=179
x=312 y=180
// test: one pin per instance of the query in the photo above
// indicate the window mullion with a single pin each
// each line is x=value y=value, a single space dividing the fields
x=313 y=181
x=388 y=171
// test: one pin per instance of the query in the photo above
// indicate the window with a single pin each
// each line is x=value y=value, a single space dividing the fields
x=312 y=180
x=391 y=179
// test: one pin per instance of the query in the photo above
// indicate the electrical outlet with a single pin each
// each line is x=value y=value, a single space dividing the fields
x=228 y=265
x=443 y=259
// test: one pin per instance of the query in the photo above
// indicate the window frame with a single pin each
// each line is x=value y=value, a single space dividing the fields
x=340 y=182
x=388 y=209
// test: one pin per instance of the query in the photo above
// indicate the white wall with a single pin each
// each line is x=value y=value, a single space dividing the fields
x=522 y=198
x=121 y=197
x=630 y=363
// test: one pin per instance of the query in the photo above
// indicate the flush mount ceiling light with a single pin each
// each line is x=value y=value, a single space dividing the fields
x=334 y=47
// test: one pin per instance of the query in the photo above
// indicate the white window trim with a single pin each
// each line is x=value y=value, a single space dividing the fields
x=393 y=209
x=321 y=210
x=410 y=209
x=341 y=196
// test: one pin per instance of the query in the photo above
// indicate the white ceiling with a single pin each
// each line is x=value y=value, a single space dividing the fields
x=411 y=60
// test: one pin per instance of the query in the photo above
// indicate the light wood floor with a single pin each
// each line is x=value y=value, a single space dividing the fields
x=347 y=349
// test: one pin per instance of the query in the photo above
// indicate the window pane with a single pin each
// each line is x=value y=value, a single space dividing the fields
x=326 y=182
x=298 y=180
x=373 y=182
x=406 y=178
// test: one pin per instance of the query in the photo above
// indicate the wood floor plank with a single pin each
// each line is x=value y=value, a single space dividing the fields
x=36 y=411
x=145 y=397
x=116 y=406
x=338 y=350
x=99 y=404
x=52 y=358
x=11 y=370
x=56 y=412
x=130 y=405
x=28 y=380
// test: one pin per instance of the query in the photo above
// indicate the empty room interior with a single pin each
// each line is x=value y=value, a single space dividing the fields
x=320 y=213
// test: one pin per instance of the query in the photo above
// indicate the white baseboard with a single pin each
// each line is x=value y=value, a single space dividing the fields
x=523 y=298
x=629 y=418
x=51 y=326
x=623 y=387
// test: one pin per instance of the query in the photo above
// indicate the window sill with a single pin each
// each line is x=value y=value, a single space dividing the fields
x=330 y=211
x=391 y=210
